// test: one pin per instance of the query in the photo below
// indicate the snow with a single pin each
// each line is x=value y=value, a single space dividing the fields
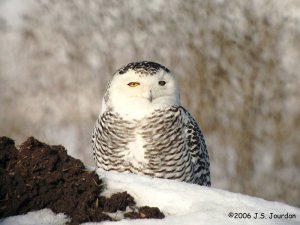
x=41 y=217
x=185 y=203
x=182 y=203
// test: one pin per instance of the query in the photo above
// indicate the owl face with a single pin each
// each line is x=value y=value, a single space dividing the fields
x=138 y=91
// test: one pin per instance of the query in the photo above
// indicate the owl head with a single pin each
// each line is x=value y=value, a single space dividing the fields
x=139 y=88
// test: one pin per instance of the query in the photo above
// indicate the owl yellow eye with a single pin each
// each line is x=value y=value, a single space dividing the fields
x=133 y=84
x=162 y=83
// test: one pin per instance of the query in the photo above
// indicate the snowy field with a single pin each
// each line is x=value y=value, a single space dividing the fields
x=182 y=203
x=237 y=63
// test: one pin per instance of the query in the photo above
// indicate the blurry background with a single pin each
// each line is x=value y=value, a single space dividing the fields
x=237 y=62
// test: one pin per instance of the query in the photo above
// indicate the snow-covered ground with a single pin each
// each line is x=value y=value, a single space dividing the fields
x=41 y=217
x=182 y=203
x=237 y=63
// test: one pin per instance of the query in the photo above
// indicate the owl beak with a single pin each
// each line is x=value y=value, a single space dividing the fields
x=150 y=96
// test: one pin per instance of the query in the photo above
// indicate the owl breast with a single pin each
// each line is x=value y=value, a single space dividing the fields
x=163 y=144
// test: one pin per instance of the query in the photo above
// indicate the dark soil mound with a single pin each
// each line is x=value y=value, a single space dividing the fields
x=41 y=176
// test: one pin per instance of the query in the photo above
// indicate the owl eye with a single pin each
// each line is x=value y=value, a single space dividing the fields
x=133 y=84
x=162 y=83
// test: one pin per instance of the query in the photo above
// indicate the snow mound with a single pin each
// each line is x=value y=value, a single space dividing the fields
x=182 y=203
x=192 y=204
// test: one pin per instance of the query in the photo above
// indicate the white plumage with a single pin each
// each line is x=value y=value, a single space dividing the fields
x=143 y=129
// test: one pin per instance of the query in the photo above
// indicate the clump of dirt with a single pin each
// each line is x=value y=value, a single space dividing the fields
x=145 y=212
x=40 y=176
x=118 y=201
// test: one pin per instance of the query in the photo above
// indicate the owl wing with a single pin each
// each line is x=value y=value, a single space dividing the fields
x=197 y=149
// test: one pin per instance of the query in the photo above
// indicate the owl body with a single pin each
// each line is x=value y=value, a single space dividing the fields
x=142 y=128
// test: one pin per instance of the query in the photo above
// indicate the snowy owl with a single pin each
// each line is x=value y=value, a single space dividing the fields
x=143 y=129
